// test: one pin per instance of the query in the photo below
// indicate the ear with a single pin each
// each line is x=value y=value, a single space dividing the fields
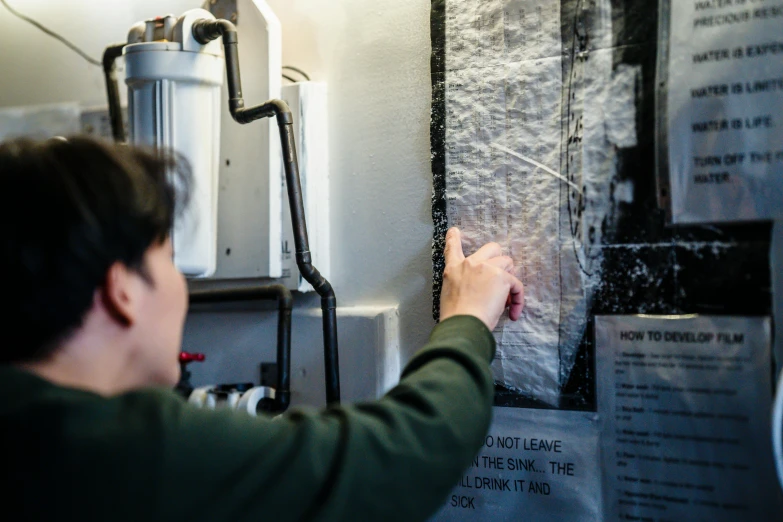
x=120 y=294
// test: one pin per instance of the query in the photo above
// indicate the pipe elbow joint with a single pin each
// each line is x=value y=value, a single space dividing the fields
x=328 y=299
x=236 y=107
x=285 y=299
x=282 y=112
x=321 y=286
x=204 y=31
x=110 y=55
x=228 y=30
x=308 y=271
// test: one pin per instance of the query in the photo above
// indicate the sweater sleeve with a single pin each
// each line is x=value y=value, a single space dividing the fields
x=392 y=459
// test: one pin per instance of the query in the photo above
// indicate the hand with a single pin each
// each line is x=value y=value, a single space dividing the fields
x=481 y=285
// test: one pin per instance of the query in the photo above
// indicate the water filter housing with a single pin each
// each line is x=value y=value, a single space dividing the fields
x=174 y=102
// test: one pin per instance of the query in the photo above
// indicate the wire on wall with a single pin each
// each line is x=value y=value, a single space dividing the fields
x=51 y=33
x=290 y=68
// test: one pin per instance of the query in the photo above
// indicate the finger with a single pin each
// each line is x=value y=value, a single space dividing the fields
x=487 y=252
x=504 y=263
x=517 y=295
x=453 y=251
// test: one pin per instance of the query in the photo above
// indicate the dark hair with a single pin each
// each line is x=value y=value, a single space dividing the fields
x=72 y=209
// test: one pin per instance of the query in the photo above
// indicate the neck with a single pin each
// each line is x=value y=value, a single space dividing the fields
x=96 y=361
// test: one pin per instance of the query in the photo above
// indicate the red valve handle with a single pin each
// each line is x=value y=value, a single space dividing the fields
x=185 y=357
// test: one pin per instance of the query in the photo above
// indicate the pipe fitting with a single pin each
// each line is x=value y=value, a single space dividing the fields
x=204 y=31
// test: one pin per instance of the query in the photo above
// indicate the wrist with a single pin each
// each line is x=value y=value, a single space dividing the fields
x=478 y=314
x=479 y=335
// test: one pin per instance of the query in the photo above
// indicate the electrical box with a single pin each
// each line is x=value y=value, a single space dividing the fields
x=250 y=199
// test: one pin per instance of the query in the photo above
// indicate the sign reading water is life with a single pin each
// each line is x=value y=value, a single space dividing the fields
x=725 y=100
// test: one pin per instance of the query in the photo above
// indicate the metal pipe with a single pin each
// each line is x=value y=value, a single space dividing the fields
x=110 y=55
x=221 y=292
x=204 y=31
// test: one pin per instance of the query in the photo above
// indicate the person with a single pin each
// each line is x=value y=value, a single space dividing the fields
x=92 y=431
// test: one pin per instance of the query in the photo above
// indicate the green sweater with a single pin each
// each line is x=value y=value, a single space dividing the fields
x=148 y=455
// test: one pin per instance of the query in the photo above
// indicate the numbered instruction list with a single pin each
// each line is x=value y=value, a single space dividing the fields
x=725 y=109
x=685 y=405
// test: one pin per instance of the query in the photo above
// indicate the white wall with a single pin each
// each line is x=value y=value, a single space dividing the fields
x=38 y=69
x=374 y=55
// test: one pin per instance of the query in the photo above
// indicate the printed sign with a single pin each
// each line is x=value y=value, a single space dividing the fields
x=685 y=405
x=535 y=465
x=725 y=110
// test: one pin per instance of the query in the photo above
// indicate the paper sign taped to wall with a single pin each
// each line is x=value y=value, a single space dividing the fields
x=724 y=99
x=536 y=466
x=685 y=405
x=532 y=129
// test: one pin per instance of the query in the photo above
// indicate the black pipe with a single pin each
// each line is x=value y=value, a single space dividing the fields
x=205 y=31
x=221 y=292
x=110 y=55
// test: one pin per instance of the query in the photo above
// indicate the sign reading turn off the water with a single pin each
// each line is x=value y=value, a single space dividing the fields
x=725 y=109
